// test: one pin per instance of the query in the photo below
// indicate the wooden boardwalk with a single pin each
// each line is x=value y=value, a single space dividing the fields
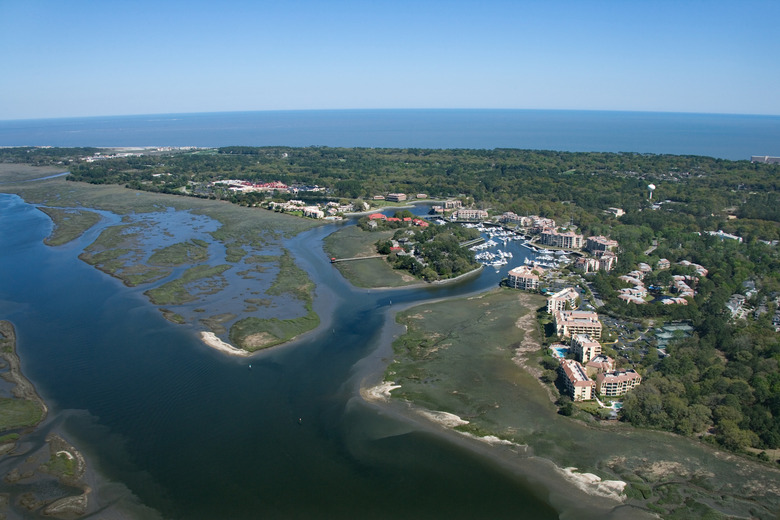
x=334 y=260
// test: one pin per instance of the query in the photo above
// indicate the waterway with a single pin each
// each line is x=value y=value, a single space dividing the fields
x=192 y=433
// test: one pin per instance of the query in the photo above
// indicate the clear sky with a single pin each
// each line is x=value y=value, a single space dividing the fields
x=107 y=57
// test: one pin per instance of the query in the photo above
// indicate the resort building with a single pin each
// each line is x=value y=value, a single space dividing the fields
x=700 y=270
x=396 y=197
x=578 y=385
x=645 y=268
x=470 y=214
x=313 y=212
x=629 y=278
x=725 y=236
x=569 y=323
x=599 y=365
x=663 y=263
x=606 y=261
x=567 y=240
x=600 y=243
x=628 y=298
x=513 y=218
x=616 y=383
x=766 y=159
x=525 y=277
x=562 y=299
x=584 y=348
x=639 y=291
x=540 y=224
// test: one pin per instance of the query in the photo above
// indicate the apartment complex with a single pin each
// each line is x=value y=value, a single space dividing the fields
x=396 y=197
x=470 y=214
x=569 y=323
x=606 y=261
x=599 y=364
x=584 y=348
x=567 y=240
x=600 y=243
x=616 y=383
x=578 y=385
x=525 y=277
x=563 y=298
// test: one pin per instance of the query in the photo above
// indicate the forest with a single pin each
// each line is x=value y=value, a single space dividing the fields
x=561 y=185
x=722 y=384
x=431 y=253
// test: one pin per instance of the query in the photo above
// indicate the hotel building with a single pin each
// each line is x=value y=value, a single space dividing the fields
x=524 y=277
x=569 y=323
x=616 y=383
x=578 y=385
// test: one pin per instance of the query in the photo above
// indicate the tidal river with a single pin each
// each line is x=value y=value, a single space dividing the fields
x=172 y=425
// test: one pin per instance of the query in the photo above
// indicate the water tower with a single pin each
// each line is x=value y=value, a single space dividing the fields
x=650 y=188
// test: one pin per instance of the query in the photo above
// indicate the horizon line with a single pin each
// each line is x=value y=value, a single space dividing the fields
x=439 y=109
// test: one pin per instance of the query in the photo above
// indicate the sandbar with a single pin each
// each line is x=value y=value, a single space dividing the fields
x=211 y=339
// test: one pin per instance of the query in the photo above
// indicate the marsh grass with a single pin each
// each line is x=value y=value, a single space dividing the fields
x=69 y=224
x=253 y=333
x=351 y=242
x=61 y=465
x=271 y=331
x=190 y=252
x=177 y=292
x=19 y=413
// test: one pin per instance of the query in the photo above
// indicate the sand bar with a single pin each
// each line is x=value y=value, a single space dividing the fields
x=211 y=339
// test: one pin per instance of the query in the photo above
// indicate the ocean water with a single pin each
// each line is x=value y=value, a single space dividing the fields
x=734 y=137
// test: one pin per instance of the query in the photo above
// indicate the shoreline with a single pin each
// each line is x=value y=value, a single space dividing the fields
x=569 y=491
x=211 y=340
x=491 y=447
x=571 y=485
x=23 y=387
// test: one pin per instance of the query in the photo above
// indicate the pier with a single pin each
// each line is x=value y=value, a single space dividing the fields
x=333 y=260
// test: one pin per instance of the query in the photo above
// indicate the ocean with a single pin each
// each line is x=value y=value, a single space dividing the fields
x=734 y=137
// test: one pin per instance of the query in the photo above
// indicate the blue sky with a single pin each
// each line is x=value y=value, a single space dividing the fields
x=85 y=58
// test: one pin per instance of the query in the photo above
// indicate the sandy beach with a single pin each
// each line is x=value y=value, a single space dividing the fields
x=211 y=339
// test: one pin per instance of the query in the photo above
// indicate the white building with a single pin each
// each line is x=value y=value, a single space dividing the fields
x=525 y=277
x=563 y=298
x=569 y=323
x=578 y=385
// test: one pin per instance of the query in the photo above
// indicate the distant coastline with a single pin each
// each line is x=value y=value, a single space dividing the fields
x=724 y=136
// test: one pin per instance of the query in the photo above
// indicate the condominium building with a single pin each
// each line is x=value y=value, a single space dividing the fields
x=600 y=243
x=599 y=364
x=584 y=347
x=606 y=261
x=470 y=214
x=513 y=218
x=567 y=240
x=569 y=323
x=618 y=382
x=525 y=277
x=562 y=299
x=396 y=197
x=578 y=385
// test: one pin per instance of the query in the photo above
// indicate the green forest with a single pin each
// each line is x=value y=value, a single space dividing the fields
x=722 y=384
x=431 y=253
